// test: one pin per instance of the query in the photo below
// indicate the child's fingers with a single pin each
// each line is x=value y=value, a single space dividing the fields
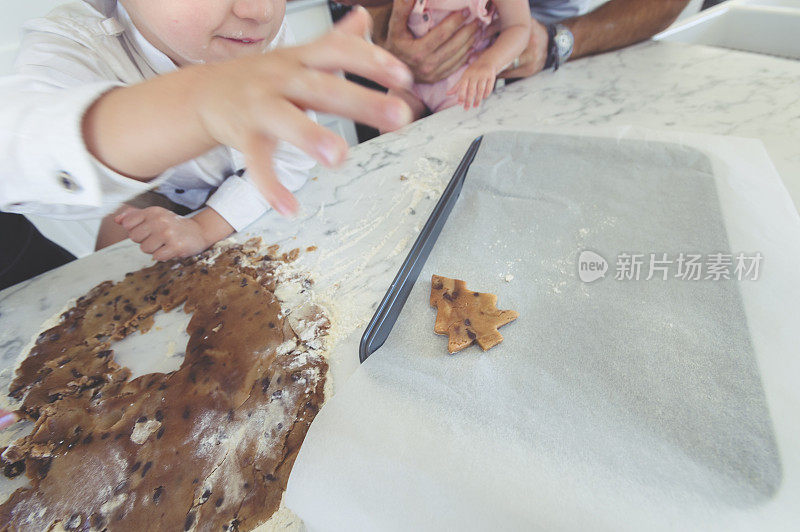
x=282 y=119
x=357 y=22
x=471 y=93
x=329 y=93
x=489 y=88
x=135 y=220
x=258 y=155
x=131 y=218
x=457 y=87
x=126 y=209
x=140 y=233
x=345 y=49
x=155 y=220
x=454 y=89
x=462 y=94
x=165 y=252
x=480 y=91
x=151 y=244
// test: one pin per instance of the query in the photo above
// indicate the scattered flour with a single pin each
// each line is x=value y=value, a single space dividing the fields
x=143 y=430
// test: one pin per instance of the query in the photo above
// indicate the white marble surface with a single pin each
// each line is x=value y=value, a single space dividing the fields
x=364 y=218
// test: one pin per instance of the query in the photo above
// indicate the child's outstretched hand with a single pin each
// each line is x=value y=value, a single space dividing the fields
x=164 y=234
x=253 y=102
x=476 y=84
x=250 y=103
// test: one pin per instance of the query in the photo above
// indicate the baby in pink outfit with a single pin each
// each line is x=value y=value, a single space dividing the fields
x=475 y=80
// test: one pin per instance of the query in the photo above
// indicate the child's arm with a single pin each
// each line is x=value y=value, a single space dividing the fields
x=58 y=157
x=249 y=103
x=478 y=80
x=515 y=27
x=235 y=205
x=165 y=235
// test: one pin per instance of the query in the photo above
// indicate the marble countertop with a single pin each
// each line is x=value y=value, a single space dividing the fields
x=364 y=218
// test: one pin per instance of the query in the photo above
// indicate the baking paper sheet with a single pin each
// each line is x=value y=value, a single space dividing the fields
x=615 y=404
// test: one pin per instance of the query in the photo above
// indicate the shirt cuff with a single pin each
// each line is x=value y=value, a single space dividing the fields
x=49 y=152
x=238 y=199
x=239 y=202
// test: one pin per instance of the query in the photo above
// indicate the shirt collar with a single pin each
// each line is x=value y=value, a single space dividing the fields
x=157 y=59
x=106 y=7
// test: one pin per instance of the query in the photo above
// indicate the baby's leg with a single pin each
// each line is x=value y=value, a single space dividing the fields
x=418 y=109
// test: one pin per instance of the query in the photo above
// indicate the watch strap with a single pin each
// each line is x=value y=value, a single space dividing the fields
x=552 y=49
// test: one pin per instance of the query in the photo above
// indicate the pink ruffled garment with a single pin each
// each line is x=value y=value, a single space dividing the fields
x=425 y=15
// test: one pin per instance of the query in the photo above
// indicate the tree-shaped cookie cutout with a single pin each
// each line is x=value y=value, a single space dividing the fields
x=467 y=317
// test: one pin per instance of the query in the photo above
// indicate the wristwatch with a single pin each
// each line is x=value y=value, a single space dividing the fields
x=560 y=43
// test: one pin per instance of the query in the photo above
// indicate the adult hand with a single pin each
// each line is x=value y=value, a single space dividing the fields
x=435 y=55
x=532 y=60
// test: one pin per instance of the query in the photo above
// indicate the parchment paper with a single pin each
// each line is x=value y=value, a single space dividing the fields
x=616 y=404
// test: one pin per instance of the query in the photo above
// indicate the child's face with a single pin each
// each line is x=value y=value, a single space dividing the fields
x=197 y=31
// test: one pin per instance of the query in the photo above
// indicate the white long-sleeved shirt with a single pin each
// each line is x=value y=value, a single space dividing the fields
x=67 y=60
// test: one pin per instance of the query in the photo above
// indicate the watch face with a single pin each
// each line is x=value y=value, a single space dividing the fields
x=564 y=42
